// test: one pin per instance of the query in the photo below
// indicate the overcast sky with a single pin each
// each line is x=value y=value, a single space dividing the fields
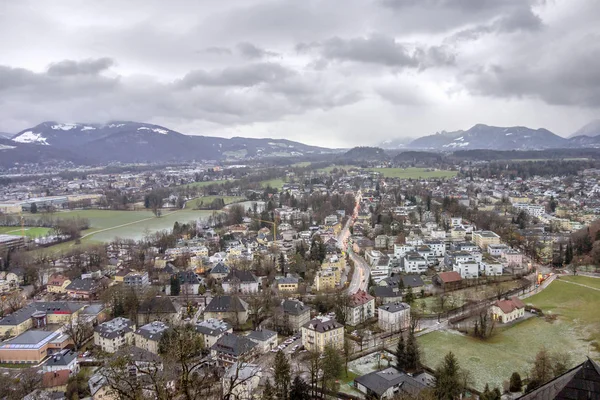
x=331 y=73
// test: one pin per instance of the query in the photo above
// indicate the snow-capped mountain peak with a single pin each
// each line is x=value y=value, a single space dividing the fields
x=31 y=137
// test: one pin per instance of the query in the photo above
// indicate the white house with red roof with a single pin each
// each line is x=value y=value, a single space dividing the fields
x=508 y=310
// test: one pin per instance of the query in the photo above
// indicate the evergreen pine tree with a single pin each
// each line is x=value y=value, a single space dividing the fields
x=282 y=375
x=299 y=390
x=409 y=297
x=268 y=391
x=516 y=385
x=401 y=354
x=447 y=380
x=413 y=356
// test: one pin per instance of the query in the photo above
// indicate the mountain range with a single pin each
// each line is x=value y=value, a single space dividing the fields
x=488 y=137
x=129 y=142
x=135 y=142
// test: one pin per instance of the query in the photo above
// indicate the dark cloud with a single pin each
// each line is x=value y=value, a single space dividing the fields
x=382 y=50
x=249 y=50
x=84 y=67
x=569 y=76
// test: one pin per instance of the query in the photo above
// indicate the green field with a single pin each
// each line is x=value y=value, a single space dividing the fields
x=413 y=173
x=274 y=183
x=576 y=330
x=191 y=204
x=29 y=232
x=301 y=164
x=108 y=224
x=332 y=167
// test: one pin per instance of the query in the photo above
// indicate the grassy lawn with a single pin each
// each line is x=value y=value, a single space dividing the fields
x=584 y=280
x=29 y=232
x=137 y=222
x=514 y=348
x=274 y=183
x=332 y=167
x=191 y=204
x=413 y=173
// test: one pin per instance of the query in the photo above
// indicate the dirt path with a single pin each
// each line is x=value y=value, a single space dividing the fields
x=579 y=284
x=122 y=225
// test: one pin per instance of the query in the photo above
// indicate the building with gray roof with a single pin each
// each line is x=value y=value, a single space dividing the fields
x=387 y=383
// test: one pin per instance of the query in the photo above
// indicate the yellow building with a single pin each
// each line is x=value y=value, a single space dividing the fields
x=324 y=281
x=320 y=332
x=287 y=284
x=484 y=238
x=516 y=199
x=58 y=283
x=38 y=315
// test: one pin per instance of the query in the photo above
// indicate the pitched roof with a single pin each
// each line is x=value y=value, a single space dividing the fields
x=581 y=382
x=152 y=331
x=380 y=381
x=83 y=285
x=294 y=307
x=322 y=324
x=220 y=268
x=385 y=291
x=240 y=275
x=55 y=378
x=261 y=335
x=114 y=328
x=226 y=304
x=508 y=306
x=359 y=298
x=49 y=307
x=448 y=277
x=233 y=345
x=394 y=307
x=158 y=304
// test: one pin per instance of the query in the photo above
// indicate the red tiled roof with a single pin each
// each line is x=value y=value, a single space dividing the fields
x=360 y=297
x=508 y=306
x=448 y=277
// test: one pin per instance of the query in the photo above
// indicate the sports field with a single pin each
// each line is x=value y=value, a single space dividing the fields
x=31 y=232
x=414 y=173
x=576 y=331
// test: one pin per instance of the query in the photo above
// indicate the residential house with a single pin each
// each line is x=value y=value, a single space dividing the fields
x=324 y=281
x=414 y=263
x=137 y=280
x=240 y=281
x=62 y=360
x=508 y=310
x=158 y=308
x=148 y=336
x=230 y=308
x=287 y=284
x=231 y=348
x=467 y=269
x=389 y=383
x=485 y=238
x=386 y=294
x=394 y=317
x=110 y=336
x=295 y=313
x=211 y=330
x=381 y=269
x=361 y=308
x=57 y=283
x=219 y=271
x=83 y=289
x=264 y=338
x=320 y=332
